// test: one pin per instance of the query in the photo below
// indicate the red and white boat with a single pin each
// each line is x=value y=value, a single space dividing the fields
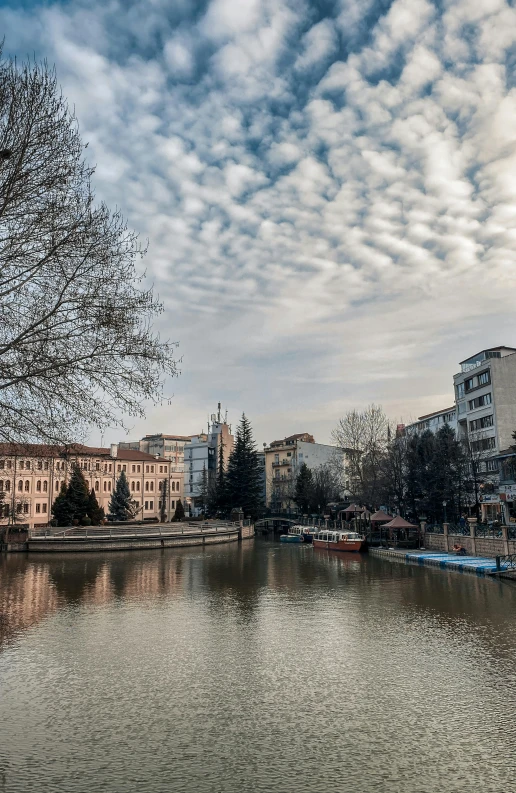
x=339 y=540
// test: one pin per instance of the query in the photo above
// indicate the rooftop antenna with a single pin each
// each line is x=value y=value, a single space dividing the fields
x=218 y=413
x=226 y=417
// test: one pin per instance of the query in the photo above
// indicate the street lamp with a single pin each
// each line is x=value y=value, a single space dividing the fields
x=444 y=507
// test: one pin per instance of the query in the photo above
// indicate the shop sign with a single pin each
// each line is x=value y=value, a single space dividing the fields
x=509 y=491
x=490 y=498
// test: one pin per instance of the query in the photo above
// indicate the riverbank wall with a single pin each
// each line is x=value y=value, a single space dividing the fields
x=126 y=539
x=473 y=544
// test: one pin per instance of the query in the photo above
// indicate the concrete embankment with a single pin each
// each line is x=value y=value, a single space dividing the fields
x=128 y=539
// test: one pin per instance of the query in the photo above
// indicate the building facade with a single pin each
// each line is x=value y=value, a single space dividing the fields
x=201 y=461
x=283 y=459
x=31 y=477
x=170 y=447
x=433 y=422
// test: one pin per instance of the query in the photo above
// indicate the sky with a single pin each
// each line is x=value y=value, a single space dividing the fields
x=328 y=190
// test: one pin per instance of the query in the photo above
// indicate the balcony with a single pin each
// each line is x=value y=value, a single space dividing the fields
x=282 y=462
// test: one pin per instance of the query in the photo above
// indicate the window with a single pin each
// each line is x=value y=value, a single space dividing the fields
x=146 y=469
x=132 y=486
x=479 y=402
x=484 y=378
x=7 y=486
x=165 y=469
x=483 y=445
x=276 y=458
x=147 y=485
x=491 y=465
x=44 y=507
x=146 y=505
x=46 y=465
x=289 y=454
x=21 y=465
x=460 y=390
x=110 y=467
x=173 y=485
x=105 y=487
x=57 y=486
x=481 y=424
x=1 y=485
x=152 y=469
x=119 y=468
x=124 y=467
x=38 y=508
x=27 y=485
x=45 y=486
x=27 y=465
x=173 y=504
x=160 y=485
x=151 y=504
x=133 y=469
x=26 y=509
x=38 y=486
x=109 y=486
x=138 y=468
x=97 y=486
x=470 y=383
x=2 y=463
x=152 y=485
x=8 y=464
x=161 y=469
x=137 y=485
x=40 y=465
x=97 y=466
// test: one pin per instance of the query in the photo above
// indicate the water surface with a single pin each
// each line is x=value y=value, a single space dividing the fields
x=258 y=667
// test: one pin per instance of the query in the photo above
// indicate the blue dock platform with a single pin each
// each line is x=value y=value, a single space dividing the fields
x=480 y=565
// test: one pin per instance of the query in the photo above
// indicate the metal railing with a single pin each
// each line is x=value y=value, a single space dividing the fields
x=506 y=562
x=148 y=530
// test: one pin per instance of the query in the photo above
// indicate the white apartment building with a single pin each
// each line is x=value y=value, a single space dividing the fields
x=433 y=421
x=31 y=476
x=170 y=447
x=283 y=459
x=201 y=457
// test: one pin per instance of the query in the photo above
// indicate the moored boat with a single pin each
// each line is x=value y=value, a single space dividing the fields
x=339 y=540
x=291 y=538
x=306 y=532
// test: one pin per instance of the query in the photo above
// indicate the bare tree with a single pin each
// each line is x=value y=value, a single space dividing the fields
x=76 y=344
x=364 y=436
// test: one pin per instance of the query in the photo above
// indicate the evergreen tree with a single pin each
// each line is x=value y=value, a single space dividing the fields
x=120 y=505
x=62 y=508
x=304 y=495
x=164 y=497
x=95 y=511
x=180 y=512
x=243 y=477
x=78 y=493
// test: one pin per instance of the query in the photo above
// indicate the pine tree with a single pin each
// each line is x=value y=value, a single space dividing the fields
x=62 y=508
x=78 y=494
x=120 y=505
x=95 y=511
x=180 y=512
x=243 y=478
x=164 y=497
x=303 y=495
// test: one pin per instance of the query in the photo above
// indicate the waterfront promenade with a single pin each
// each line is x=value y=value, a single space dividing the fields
x=480 y=565
x=127 y=537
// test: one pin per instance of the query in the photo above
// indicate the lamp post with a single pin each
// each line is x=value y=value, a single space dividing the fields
x=444 y=508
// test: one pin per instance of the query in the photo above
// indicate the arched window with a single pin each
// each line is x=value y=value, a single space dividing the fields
x=152 y=485
x=1 y=484
x=20 y=484
x=137 y=485
x=7 y=486
x=45 y=486
x=173 y=485
x=57 y=486
x=38 y=486
x=27 y=485
x=160 y=485
x=109 y=486
x=105 y=487
x=146 y=484
x=132 y=485
x=97 y=486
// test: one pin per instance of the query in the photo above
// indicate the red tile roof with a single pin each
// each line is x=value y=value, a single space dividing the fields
x=72 y=450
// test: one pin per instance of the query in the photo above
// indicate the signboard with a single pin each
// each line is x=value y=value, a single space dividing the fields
x=490 y=498
x=509 y=491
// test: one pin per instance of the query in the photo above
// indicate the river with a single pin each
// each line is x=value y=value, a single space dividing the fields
x=253 y=668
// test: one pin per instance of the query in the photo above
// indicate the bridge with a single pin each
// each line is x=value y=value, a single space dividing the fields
x=275 y=524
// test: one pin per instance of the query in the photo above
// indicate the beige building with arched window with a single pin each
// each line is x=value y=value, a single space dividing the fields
x=31 y=476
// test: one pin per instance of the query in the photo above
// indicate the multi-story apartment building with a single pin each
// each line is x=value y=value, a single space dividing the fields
x=202 y=459
x=283 y=458
x=170 y=447
x=433 y=421
x=31 y=477
x=485 y=396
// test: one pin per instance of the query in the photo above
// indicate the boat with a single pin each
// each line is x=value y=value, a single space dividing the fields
x=291 y=538
x=339 y=540
x=306 y=532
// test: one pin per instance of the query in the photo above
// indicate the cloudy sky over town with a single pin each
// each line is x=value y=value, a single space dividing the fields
x=328 y=190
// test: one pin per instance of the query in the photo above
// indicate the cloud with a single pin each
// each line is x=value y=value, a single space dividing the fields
x=329 y=201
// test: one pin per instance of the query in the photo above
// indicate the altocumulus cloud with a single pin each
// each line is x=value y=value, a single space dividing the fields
x=328 y=188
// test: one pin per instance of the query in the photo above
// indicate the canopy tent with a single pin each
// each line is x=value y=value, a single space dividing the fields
x=380 y=517
x=399 y=523
x=353 y=509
